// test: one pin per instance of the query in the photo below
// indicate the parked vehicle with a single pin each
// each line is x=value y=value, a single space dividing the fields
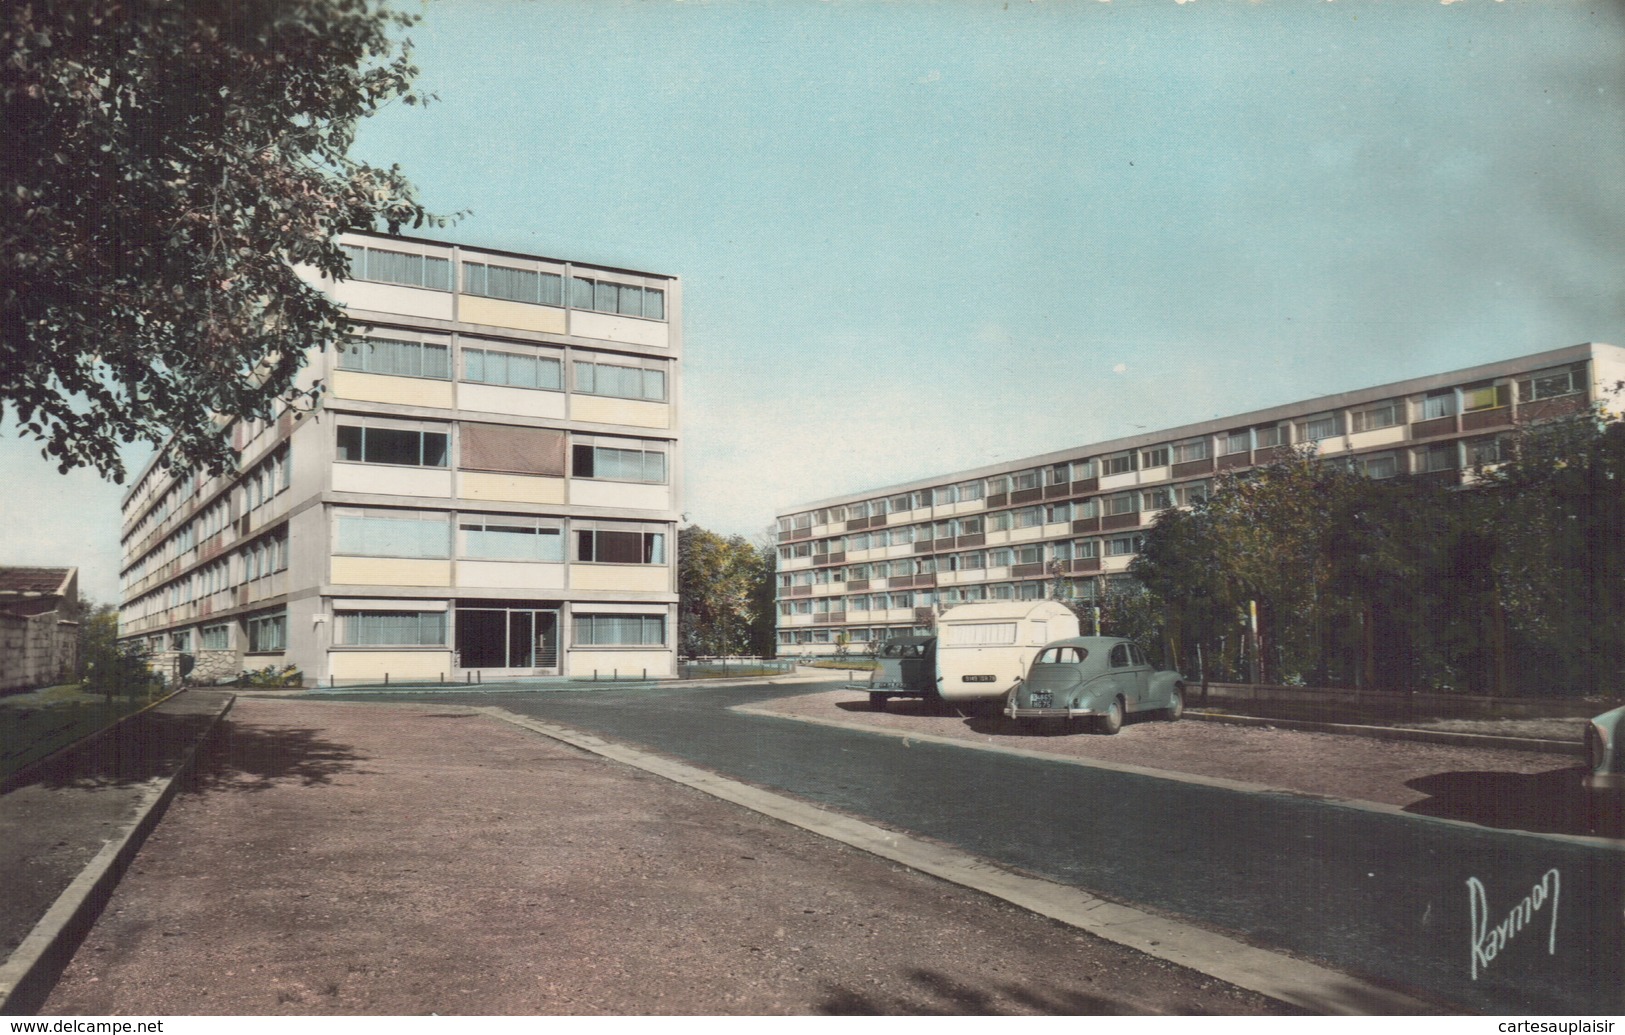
x=1098 y=678
x=1604 y=780
x=907 y=668
x=979 y=653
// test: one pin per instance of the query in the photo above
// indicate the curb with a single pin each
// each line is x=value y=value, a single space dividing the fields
x=26 y=978
x=1288 y=979
x=1478 y=740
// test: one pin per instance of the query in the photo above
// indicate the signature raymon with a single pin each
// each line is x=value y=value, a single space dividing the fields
x=1489 y=941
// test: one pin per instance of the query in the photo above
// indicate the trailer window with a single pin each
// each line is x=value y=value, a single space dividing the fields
x=984 y=634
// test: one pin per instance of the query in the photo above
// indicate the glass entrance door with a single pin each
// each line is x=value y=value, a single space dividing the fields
x=519 y=639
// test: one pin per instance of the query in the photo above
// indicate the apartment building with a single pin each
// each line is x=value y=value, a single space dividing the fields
x=866 y=566
x=488 y=488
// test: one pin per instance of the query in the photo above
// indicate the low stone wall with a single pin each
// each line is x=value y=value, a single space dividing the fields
x=37 y=650
x=212 y=666
x=1396 y=703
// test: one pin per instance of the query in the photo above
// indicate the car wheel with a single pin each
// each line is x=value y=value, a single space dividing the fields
x=877 y=702
x=1112 y=721
x=1176 y=706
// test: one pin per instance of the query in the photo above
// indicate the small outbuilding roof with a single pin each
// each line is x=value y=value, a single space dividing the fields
x=35 y=581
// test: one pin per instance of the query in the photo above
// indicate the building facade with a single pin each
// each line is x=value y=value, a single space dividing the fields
x=39 y=629
x=866 y=566
x=488 y=488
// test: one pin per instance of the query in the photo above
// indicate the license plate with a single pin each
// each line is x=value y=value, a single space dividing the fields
x=1043 y=700
x=889 y=685
x=978 y=679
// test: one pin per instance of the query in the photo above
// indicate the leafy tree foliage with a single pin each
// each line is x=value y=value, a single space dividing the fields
x=725 y=595
x=1516 y=583
x=165 y=165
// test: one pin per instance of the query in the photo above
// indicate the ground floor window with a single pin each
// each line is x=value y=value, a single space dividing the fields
x=268 y=633
x=215 y=637
x=391 y=628
x=619 y=630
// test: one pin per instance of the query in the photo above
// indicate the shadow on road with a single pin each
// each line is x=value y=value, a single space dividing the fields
x=932 y=993
x=1552 y=802
x=253 y=758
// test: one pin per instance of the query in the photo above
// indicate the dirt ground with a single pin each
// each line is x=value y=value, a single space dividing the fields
x=396 y=860
x=1523 y=790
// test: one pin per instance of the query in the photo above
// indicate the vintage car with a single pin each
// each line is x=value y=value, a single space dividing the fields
x=1099 y=678
x=907 y=667
x=1605 y=772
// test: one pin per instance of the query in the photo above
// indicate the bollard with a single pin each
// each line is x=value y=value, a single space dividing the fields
x=645 y=675
x=386 y=678
x=468 y=677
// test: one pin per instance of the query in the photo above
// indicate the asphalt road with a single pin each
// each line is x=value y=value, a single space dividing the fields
x=1494 y=921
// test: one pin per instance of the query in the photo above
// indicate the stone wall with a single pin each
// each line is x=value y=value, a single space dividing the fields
x=37 y=650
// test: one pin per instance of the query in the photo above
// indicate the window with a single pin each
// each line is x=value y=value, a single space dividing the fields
x=384 y=534
x=1383 y=415
x=1481 y=451
x=1122 y=503
x=215 y=637
x=1057 y=513
x=1000 y=558
x=268 y=633
x=388 y=267
x=1123 y=546
x=1439 y=404
x=404 y=447
x=1380 y=465
x=181 y=641
x=1001 y=521
x=1029 y=517
x=979 y=635
x=509 y=539
x=532 y=286
x=512 y=369
x=612 y=546
x=1185 y=452
x=620 y=382
x=1120 y=464
x=1441 y=457
x=899 y=504
x=1313 y=429
x=1157 y=457
x=1236 y=442
x=968 y=491
x=1547 y=384
x=974 y=561
x=391 y=628
x=1272 y=435
x=1188 y=494
x=1083 y=509
x=969 y=526
x=1485 y=397
x=1156 y=499
x=618 y=464
x=1025 y=480
x=1033 y=554
x=398 y=358
x=618 y=630
x=1060 y=474
x=623 y=299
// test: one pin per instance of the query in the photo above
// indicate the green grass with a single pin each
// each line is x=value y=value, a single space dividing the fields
x=854 y=665
x=34 y=724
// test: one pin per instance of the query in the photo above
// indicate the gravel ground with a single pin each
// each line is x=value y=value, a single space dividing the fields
x=369 y=859
x=1496 y=787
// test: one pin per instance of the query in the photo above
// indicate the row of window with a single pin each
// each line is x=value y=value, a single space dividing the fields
x=425 y=534
x=267 y=633
x=1553 y=383
x=264 y=556
x=538 y=287
x=1143 y=501
x=512 y=450
x=511 y=368
x=970 y=560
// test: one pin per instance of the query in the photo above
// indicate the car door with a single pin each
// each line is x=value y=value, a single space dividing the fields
x=1123 y=675
x=1141 y=668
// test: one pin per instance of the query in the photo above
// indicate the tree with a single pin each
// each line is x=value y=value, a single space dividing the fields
x=719 y=591
x=166 y=165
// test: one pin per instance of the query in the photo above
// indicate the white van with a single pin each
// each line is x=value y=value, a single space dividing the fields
x=983 y=650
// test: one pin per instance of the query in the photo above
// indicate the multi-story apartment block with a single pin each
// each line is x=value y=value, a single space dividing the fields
x=489 y=486
x=866 y=566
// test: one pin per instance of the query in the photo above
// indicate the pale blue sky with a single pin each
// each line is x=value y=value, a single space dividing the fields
x=920 y=237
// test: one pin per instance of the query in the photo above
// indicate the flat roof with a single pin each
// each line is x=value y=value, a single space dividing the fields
x=1340 y=400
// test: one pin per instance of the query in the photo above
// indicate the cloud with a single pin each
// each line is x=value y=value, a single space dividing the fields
x=1121 y=368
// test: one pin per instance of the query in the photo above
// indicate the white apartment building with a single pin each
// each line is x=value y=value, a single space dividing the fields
x=870 y=565
x=488 y=489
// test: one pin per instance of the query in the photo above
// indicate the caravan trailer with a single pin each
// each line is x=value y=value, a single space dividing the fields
x=979 y=653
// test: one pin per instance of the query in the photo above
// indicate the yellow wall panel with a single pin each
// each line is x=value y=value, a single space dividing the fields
x=408 y=391
x=497 y=312
x=633 y=412
x=398 y=664
x=390 y=571
x=635 y=578
x=621 y=663
x=509 y=488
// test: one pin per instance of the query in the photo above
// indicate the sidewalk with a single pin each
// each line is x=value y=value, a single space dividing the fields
x=402 y=859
